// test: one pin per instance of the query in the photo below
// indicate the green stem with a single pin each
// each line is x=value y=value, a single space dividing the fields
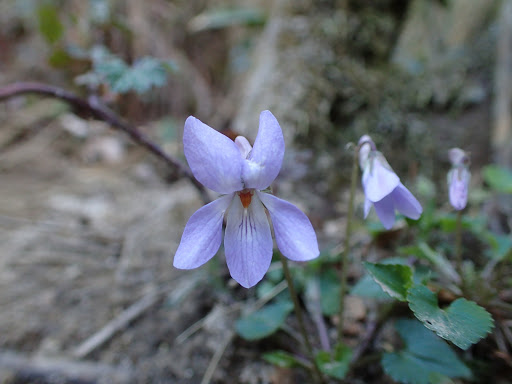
x=298 y=312
x=458 y=248
x=346 y=248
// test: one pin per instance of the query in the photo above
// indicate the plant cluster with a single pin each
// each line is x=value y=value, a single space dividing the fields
x=241 y=172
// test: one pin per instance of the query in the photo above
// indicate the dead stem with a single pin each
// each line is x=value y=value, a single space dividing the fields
x=94 y=107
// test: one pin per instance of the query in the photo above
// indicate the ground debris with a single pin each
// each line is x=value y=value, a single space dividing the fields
x=62 y=370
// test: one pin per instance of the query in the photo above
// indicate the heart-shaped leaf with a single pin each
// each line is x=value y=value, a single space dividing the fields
x=367 y=287
x=463 y=323
x=264 y=322
x=394 y=279
x=424 y=358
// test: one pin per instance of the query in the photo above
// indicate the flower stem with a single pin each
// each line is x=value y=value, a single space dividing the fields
x=346 y=247
x=458 y=248
x=298 y=312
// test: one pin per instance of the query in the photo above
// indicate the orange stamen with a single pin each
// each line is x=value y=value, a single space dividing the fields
x=245 y=198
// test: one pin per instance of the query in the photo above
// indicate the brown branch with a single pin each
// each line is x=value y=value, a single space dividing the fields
x=94 y=108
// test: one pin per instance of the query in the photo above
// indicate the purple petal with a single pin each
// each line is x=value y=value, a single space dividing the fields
x=247 y=242
x=202 y=235
x=458 y=179
x=385 y=211
x=294 y=233
x=367 y=206
x=264 y=162
x=406 y=203
x=378 y=180
x=243 y=146
x=214 y=159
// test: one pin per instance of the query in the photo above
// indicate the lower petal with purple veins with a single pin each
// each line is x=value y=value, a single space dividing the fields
x=202 y=235
x=247 y=242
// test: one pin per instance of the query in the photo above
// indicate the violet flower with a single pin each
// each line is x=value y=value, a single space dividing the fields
x=382 y=187
x=458 y=178
x=242 y=174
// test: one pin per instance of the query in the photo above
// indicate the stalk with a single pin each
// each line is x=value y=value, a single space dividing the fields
x=298 y=313
x=458 y=248
x=346 y=247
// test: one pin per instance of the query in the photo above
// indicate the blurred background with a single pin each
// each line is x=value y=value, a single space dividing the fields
x=89 y=221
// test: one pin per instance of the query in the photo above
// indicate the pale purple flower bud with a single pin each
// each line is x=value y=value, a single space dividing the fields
x=242 y=172
x=366 y=145
x=382 y=187
x=458 y=178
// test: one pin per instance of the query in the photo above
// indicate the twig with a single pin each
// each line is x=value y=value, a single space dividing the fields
x=53 y=370
x=269 y=295
x=183 y=336
x=94 y=107
x=179 y=291
x=214 y=362
x=117 y=324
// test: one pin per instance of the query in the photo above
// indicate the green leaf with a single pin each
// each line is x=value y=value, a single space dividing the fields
x=501 y=246
x=142 y=76
x=498 y=178
x=264 y=322
x=335 y=365
x=330 y=292
x=367 y=287
x=49 y=24
x=222 y=18
x=394 y=279
x=425 y=358
x=112 y=69
x=145 y=73
x=463 y=323
x=281 y=359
